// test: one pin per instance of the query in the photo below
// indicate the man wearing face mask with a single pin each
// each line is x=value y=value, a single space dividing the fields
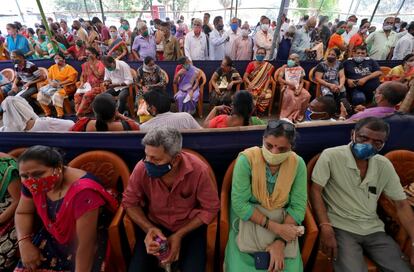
x=171 y=197
x=405 y=45
x=80 y=33
x=387 y=96
x=362 y=75
x=302 y=43
x=27 y=75
x=195 y=43
x=322 y=108
x=242 y=48
x=347 y=183
x=263 y=38
x=218 y=39
x=233 y=33
x=381 y=43
x=144 y=45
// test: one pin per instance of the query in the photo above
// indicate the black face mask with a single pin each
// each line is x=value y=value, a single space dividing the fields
x=220 y=27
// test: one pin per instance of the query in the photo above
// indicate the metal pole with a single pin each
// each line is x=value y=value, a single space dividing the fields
x=86 y=9
x=237 y=6
x=357 y=6
x=152 y=15
x=231 y=10
x=402 y=4
x=49 y=33
x=375 y=11
x=102 y=11
x=20 y=11
x=320 y=7
x=276 y=34
x=349 y=10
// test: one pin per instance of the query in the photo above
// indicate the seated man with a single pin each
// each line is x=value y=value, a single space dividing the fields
x=387 y=96
x=27 y=75
x=159 y=105
x=321 y=108
x=347 y=183
x=224 y=83
x=362 y=75
x=170 y=196
x=117 y=79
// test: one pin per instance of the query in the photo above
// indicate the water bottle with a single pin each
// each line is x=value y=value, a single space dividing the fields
x=164 y=252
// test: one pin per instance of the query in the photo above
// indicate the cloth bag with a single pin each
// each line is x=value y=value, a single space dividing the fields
x=254 y=238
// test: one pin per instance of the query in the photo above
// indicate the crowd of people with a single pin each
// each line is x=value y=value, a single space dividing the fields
x=348 y=72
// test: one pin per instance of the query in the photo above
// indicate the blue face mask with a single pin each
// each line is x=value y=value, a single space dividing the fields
x=260 y=57
x=291 y=63
x=157 y=171
x=308 y=114
x=234 y=26
x=363 y=151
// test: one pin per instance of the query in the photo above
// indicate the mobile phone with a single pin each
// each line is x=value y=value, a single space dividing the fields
x=347 y=105
x=261 y=260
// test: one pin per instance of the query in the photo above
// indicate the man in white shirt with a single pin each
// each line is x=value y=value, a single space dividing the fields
x=284 y=28
x=195 y=43
x=218 y=39
x=382 y=42
x=159 y=105
x=264 y=38
x=117 y=80
x=405 y=45
x=233 y=34
x=351 y=30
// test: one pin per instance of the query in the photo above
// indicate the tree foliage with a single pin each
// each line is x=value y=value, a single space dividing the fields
x=326 y=9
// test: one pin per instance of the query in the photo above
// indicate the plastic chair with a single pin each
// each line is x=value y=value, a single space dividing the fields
x=385 y=71
x=311 y=230
x=211 y=228
x=133 y=89
x=10 y=74
x=403 y=162
x=114 y=174
x=210 y=87
x=202 y=82
x=322 y=264
x=313 y=80
x=15 y=153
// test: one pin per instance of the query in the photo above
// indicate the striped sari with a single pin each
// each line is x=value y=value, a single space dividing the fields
x=259 y=74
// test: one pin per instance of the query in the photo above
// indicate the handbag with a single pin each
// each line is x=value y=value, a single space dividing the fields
x=254 y=238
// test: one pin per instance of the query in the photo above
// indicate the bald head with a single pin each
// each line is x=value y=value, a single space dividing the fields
x=390 y=94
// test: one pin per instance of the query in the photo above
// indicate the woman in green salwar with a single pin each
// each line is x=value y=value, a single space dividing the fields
x=265 y=180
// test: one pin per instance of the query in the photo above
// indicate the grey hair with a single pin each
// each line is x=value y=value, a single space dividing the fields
x=169 y=138
x=140 y=25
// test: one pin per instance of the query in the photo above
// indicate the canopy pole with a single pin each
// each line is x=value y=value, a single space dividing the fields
x=152 y=15
x=237 y=6
x=357 y=6
x=349 y=10
x=276 y=34
x=102 y=11
x=20 y=10
x=320 y=7
x=375 y=11
x=402 y=4
x=49 y=33
x=231 y=10
x=86 y=9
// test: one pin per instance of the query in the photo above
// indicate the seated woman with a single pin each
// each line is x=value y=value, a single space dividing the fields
x=68 y=201
x=331 y=76
x=77 y=51
x=19 y=116
x=150 y=77
x=107 y=118
x=9 y=198
x=403 y=72
x=240 y=114
x=62 y=83
x=268 y=190
x=188 y=93
x=93 y=72
x=257 y=80
x=295 y=98
x=117 y=47
x=4 y=53
x=40 y=45
x=224 y=81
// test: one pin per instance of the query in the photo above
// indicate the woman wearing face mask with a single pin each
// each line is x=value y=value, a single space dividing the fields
x=403 y=72
x=117 y=47
x=150 y=76
x=239 y=114
x=263 y=38
x=61 y=83
x=93 y=35
x=295 y=98
x=331 y=76
x=269 y=190
x=359 y=38
x=107 y=118
x=68 y=201
x=188 y=82
x=93 y=72
x=77 y=51
x=125 y=32
x=257 y=80
x=336 y=40
x=40 y=46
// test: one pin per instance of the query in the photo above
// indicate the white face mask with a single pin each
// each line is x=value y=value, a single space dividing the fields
x=57 y=61
x=265 y=27
x=245 y=32
x=114 y=35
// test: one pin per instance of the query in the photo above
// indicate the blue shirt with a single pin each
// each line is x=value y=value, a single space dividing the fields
x=21 y=43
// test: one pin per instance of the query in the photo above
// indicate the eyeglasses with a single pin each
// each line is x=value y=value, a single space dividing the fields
x=274 y=124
